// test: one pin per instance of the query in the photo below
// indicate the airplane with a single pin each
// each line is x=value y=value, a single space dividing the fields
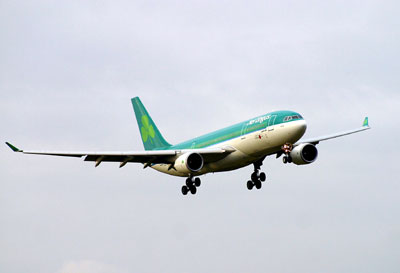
x=249 y=142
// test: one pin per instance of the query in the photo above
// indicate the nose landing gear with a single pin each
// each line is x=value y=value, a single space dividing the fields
x=192 y=183
x=257 y=177
x=287 y=148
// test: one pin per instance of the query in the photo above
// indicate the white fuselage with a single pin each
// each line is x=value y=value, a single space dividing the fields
x=249 y=148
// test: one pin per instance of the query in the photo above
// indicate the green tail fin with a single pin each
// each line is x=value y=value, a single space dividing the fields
x=151 y=136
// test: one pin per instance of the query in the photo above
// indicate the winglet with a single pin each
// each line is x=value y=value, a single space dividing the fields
x=15 y=149
x=365 y=124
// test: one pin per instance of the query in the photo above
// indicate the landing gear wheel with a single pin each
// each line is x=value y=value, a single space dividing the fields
x=197 y=182
x=193 y=190
x=257 y=177
x=189 y=182
x=289 y=159
x=285 y=160
x=185 y=190
x=250 y=185
x=254 y=177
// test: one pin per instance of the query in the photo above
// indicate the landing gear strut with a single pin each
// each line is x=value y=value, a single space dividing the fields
x=287 y=148
x=257 y=176
x=192 y=183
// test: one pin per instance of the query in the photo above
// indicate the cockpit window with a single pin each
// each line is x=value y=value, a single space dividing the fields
x=288 y=118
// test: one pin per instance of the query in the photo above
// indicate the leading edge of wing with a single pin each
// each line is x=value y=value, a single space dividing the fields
x=159 y=156
x=128 y=153
x=316 y=140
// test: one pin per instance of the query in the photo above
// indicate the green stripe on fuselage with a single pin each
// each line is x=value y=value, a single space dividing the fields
x=237 y=130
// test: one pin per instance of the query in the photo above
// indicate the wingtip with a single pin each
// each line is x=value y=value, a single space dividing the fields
x=12 y=147
x=365 y=123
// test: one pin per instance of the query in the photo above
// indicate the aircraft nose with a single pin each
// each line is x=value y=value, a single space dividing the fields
x=302 y=126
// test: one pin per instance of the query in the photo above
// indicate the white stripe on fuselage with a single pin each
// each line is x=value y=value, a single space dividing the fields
x=249 y=147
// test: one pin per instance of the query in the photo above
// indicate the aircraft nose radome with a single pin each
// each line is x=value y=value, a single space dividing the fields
x=302 y=126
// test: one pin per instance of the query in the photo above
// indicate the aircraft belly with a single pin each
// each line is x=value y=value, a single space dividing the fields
x=233 y=161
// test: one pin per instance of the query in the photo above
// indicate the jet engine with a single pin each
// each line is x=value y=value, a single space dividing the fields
x=305 y=153
x=189 y=163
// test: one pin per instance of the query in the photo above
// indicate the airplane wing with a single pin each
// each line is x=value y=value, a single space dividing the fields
x=145 y=157
x=316 y=140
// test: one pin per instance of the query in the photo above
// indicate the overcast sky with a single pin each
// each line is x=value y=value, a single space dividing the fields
x=68 y=70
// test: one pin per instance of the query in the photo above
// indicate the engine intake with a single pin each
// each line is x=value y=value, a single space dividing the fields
x=189 y=162
x=305 y=153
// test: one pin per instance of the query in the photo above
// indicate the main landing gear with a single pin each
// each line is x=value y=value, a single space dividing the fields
x=257 y=177
x=192 y=183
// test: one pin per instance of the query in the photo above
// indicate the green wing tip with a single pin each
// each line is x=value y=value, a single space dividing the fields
x=366 y=122
x=15 y=149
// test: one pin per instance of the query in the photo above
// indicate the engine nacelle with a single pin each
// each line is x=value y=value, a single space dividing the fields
x=189 y=163
x=305 y=153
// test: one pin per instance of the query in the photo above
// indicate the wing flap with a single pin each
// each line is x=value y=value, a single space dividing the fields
x=130 y=158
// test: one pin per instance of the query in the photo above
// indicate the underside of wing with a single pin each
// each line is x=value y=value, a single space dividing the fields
x=316 y=140
x=144 y=157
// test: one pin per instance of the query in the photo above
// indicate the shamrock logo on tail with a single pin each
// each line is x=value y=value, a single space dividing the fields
x=147 y=129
